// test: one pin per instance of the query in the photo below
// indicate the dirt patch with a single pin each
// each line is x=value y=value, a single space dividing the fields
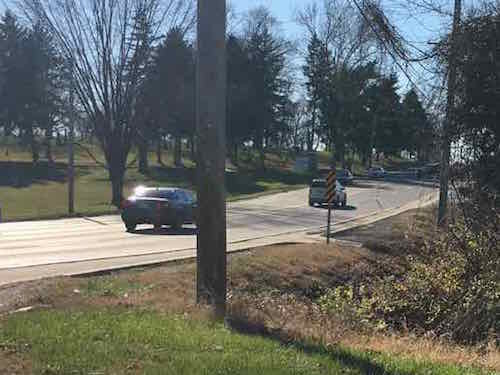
x=33 y=294
x=12 y=362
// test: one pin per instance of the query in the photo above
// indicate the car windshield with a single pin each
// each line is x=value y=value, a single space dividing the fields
x=156 y=193
x=187 y=196
x=318 y=184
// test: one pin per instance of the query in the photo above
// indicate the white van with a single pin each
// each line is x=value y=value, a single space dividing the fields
x=317 y=193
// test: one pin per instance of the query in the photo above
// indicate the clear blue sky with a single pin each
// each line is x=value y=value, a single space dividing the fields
x=418 y=28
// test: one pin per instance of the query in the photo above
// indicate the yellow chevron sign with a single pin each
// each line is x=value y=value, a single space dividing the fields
x=331 y=183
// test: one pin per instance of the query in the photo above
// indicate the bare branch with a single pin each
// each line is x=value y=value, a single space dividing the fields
x=91 y=155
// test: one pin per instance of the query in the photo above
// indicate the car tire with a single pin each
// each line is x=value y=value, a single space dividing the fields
x=311 y=204
x=130 y=227
x=344 y=203
x=178 y=224
x=157 y=227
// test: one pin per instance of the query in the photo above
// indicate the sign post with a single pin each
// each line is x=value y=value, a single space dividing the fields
x=331 y=185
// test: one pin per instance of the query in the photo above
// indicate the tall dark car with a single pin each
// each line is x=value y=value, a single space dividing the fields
x=376 y=172
x=159 y=206
x=345 y=177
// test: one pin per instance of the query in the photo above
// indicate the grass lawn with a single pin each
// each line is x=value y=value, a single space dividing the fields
x=40 y=191
x=121 y=341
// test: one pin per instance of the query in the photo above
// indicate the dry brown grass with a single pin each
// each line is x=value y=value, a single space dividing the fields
x=12 y=362
x=292 y=319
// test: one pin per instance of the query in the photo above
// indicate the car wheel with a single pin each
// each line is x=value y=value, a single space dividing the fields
x=130 y=227
x=157 y=227
x=344 y=203
x=311 y=204
x=178 y=224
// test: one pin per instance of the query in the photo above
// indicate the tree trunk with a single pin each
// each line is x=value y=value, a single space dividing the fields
x=116 y=176
x=311 y=131
x=262 y=159
x=235 y=153
x=341 y=155
x=116 y=159
x=158 y=152
x=117 y=189
x=48 y=145
x=364 y=159
x=259 y=145
x=178 y=151
x=193 y=150
x=143 y=155
x=340 y=149
x=35 y=152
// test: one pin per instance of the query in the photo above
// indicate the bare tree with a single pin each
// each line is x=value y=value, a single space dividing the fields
x=341 y=28
x=105 y=43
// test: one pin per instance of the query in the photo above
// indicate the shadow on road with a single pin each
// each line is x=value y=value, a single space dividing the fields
x=339 y=208
x=372 y=183
x=369 y=184
x=346 y=208
x=166 y=232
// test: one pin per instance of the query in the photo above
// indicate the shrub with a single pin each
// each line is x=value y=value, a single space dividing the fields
x=451 y=288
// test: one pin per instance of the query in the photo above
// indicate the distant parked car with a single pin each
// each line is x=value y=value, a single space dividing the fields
x=317 y=193
x=431 y=169
x=376 y=172
x=345 y=177
x=159 y=206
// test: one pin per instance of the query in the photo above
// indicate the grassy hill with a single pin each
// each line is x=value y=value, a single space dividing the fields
x=35 y=191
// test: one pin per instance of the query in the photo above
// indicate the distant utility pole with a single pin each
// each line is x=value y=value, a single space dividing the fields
x=71 y=144
x=211 y=161
x=450 y=115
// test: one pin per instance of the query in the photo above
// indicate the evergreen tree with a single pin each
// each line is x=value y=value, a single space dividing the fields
x=46 y=75
x=174 y=89
x=389 y=129
x=316 y=71
x=13 y=67
x=270 y=86
x=239 y=86
x=478 y=115
x=418 y=133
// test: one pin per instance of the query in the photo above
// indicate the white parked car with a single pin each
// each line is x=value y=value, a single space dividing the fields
x=317 y=193
x=376 y=172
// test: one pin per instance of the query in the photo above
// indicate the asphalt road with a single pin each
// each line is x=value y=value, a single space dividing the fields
x=31 y=250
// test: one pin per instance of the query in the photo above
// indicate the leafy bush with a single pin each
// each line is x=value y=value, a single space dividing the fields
x=452 y=288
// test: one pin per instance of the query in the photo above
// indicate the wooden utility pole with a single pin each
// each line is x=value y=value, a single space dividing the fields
x=71 y=148
x=211 y=160
x=450 y=115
